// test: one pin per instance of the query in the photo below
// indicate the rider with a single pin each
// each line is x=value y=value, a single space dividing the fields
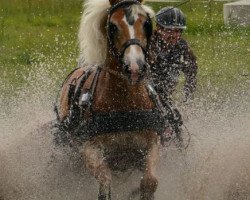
x=170 y=55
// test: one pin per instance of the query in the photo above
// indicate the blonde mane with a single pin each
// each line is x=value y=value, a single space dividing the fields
x=92 y=42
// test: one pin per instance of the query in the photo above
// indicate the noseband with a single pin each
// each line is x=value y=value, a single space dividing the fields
x=118 y=54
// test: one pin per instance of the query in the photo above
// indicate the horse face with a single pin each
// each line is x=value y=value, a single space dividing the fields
x=129 y=30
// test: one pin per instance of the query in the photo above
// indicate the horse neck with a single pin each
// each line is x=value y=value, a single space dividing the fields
x=114 y=91
x=116 y=78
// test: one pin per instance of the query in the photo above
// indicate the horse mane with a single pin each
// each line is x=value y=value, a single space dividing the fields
x=92 y=41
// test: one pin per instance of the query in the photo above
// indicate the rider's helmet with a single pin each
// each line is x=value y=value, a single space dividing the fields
x=170 y=17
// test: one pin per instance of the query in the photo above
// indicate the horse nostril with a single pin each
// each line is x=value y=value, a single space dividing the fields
x=142 y=66
x=135 y=70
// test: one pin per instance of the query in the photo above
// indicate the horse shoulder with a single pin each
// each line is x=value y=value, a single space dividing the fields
x=73 y=78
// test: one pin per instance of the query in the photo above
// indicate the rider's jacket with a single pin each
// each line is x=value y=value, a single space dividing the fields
x=167 y=62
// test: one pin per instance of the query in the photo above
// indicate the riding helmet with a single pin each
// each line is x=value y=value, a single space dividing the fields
x=170 y=17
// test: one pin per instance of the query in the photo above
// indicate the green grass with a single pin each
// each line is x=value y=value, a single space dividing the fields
x=34 y=32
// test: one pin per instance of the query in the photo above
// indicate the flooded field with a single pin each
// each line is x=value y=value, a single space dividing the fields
x=215 y=166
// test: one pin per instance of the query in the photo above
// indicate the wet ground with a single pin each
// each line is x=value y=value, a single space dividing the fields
x=214 y=167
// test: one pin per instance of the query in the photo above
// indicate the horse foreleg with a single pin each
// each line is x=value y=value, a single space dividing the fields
x=95 y=163
x=149 y=182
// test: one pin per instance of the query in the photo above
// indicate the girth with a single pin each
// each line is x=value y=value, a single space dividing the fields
x=118 y=121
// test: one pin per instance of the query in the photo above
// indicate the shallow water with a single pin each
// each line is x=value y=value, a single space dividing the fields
x=215 y=166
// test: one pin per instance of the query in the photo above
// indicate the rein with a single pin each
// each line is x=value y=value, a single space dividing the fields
x=118 y=74
x=113 y=72
x=178 y=5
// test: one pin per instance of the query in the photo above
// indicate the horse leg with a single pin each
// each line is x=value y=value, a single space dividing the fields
x=149 y=182
x=95 y=163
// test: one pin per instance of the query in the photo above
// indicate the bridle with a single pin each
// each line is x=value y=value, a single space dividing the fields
x=118 y=53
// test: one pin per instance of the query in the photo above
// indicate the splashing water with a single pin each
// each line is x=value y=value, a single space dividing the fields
x=215 y=166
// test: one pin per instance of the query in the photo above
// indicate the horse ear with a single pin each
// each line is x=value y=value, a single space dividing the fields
x=112 y=2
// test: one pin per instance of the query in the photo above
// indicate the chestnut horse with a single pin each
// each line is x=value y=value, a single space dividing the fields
x=105 y=105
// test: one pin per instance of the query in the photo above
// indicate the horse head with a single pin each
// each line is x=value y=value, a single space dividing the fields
x=128 y=29
x=115 y=34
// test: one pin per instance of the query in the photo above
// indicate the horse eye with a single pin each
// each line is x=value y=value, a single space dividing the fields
x=148 y=28
x=113 y=29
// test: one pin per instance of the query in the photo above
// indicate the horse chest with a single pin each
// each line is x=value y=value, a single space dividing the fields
x=116 y=98
x=115 y=107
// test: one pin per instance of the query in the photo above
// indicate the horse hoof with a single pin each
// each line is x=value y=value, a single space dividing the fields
x=148 y=188
x=104 y=195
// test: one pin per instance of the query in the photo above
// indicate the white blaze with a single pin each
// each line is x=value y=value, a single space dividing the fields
x=132 y=53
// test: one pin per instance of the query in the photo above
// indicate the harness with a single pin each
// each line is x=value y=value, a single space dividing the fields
x=84 y=123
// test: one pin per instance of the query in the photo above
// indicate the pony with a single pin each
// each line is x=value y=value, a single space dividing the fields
x=106 y=105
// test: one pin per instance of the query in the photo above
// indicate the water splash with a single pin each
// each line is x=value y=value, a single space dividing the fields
x=215 y=166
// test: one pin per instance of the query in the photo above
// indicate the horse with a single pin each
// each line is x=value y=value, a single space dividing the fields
x=106 y=105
